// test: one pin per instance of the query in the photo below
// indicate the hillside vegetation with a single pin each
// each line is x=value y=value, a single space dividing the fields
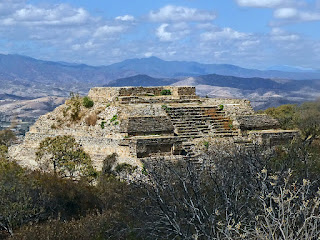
x=236 y=193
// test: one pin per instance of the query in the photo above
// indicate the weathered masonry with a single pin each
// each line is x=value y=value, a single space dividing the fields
x=143 y=122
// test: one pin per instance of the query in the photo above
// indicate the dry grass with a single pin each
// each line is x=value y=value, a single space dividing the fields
x=91 y=120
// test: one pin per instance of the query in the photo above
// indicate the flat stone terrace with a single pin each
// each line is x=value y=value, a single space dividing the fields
x=128 y=94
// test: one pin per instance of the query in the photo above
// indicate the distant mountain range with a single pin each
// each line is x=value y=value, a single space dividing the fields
x=261 y=92
x=29 y=77
x=156 y=67
x=24 y=79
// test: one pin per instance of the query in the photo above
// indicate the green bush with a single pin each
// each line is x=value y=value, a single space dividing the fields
x=206 y=145
x=165 y=92
x=87 y=102
x=221 y=107
x=165 y=107
x=74 y=106
x=102 y=124
x=114 y=118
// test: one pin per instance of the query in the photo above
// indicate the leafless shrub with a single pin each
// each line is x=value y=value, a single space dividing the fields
x=288 y=210
x=228 y=194
x=91 y=120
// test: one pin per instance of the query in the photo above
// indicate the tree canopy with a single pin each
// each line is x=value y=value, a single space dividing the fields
x=65 y=156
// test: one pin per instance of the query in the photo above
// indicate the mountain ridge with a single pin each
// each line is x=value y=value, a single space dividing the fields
x=261 y=92
x=24 y=77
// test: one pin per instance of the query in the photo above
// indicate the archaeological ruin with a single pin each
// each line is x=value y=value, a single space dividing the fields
x=143 y=122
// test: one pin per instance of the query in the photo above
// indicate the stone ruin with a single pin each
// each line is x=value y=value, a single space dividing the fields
x=139 y=123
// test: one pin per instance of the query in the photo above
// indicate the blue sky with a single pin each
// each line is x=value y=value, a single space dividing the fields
x=248 y=33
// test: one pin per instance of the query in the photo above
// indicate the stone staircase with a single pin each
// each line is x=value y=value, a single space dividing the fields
x=198 y=121
x=157 y=100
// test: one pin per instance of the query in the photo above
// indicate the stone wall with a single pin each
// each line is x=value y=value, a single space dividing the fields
x=147 y=125
x=148 y=147
x=105 y=94
x=272 y=137
x=100 y=94
x=143 y=110
x=256 y=122
x=97 y=147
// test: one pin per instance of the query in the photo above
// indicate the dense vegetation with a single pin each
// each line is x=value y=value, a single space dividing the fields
x=235 y=193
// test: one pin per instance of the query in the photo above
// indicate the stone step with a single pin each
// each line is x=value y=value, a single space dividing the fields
x=199 y=116
x=186 y=133
x=190 y=131
x=194 y=131
x=204 y=108
x=186 y=112
x=188 y=121
x=193 y=127
x=194 y=114
x=224 y=135
x=191 y=135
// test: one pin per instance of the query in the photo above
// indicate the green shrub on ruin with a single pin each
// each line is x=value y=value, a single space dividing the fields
x=114 y=118
x=165 y=92
x=206 y=145
x=87 y=102
x=102 y=124
x=165 y=107
x=73 y=106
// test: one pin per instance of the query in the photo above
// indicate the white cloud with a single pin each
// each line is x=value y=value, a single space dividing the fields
x=309 y=16
x=177 y=13
x=171 y=32
x=205 y=26
x=261 y=3
x=285 y=13
x=125 y=18
x=148 y=54
x=58 y=31
x=108 y=30
x=249 y=43
x=64 y=32
x=296 y=15
x=9 y=6
x=163 y=34
x=59 y=15
x=225 y=33
x=278 y=34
